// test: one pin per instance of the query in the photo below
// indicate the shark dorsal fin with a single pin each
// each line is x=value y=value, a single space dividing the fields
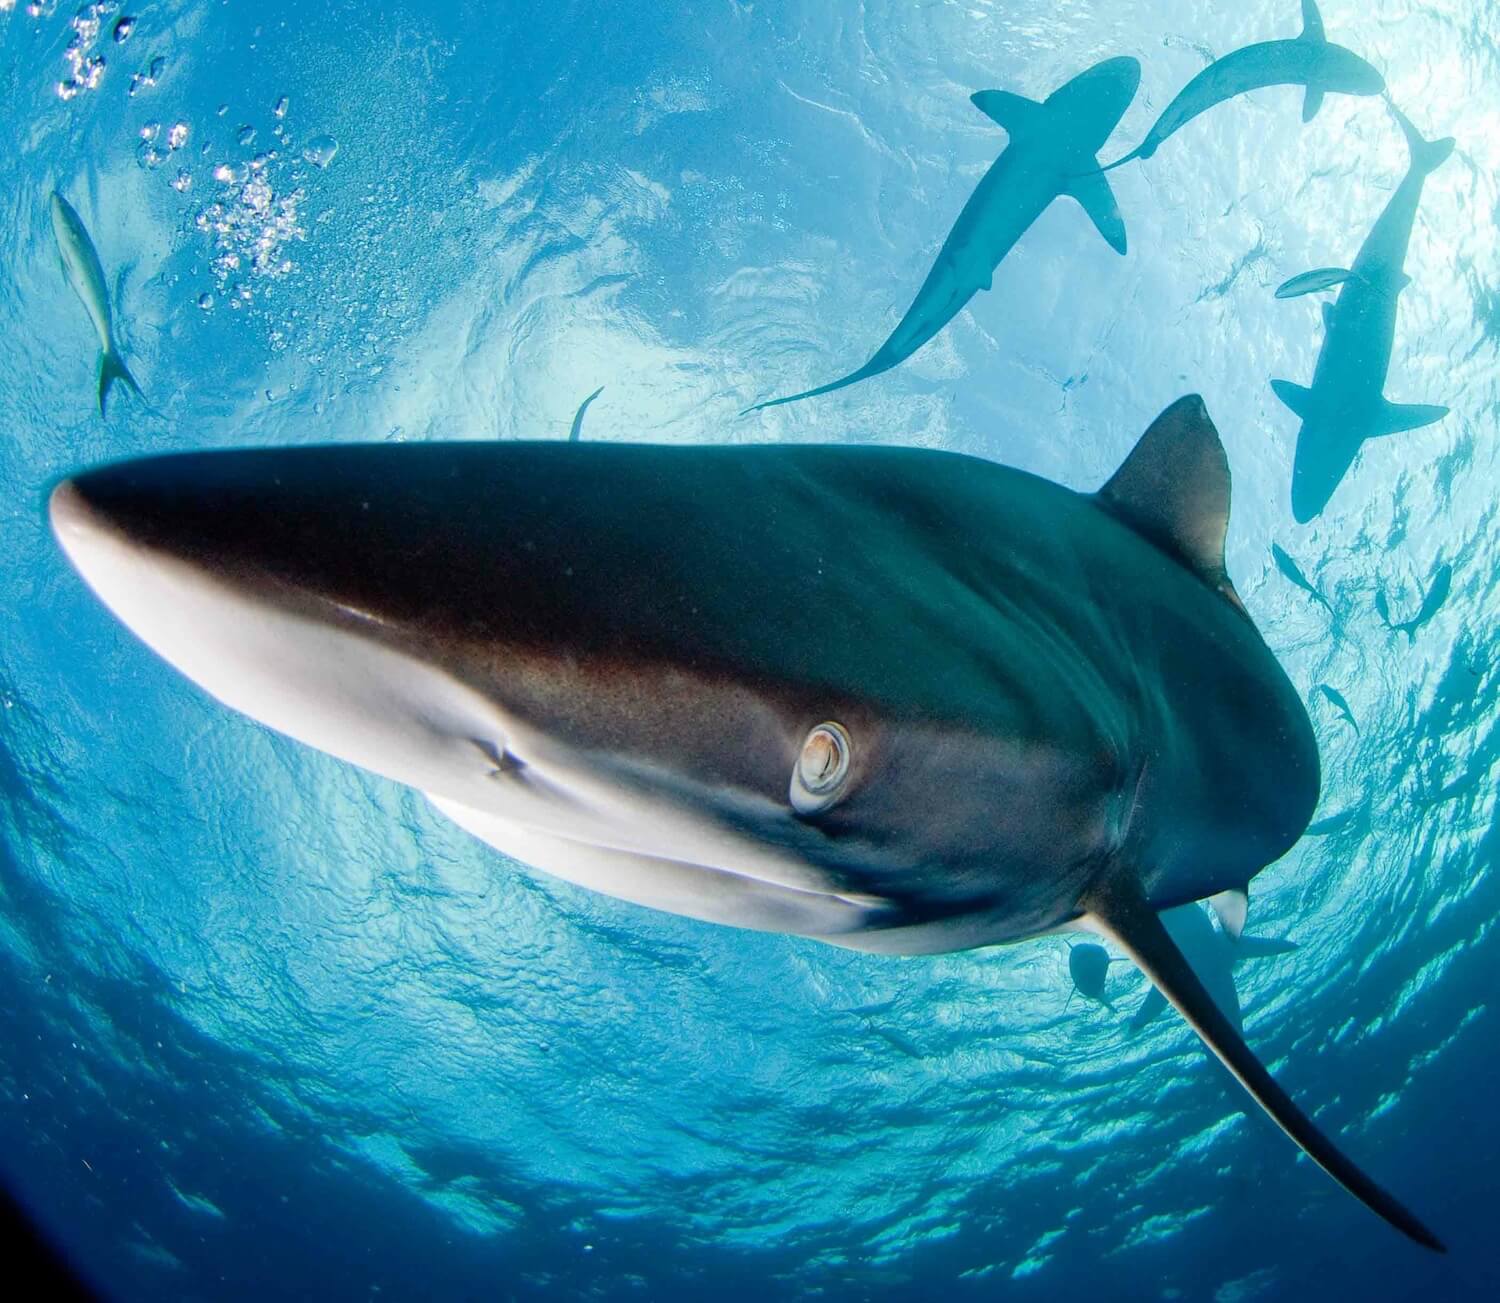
x=1013 y=112
x=1174 y=490
x=1312 y=23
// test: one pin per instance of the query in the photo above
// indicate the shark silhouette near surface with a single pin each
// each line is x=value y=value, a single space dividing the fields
x=898 y=700
x=1310 y=61
x=1088 y=966
x=1346 y=404
x=85 y=273
x=1052 y=152
x=1432 y=603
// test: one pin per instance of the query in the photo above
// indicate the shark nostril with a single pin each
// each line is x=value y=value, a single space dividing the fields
x=822 y=768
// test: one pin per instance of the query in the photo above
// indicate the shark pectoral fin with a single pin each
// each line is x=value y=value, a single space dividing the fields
x=1262 y=947
x=1312 y=22
x=1395 y=418
x=1015 y=113
x=1096 y=199
x=1311 y=103
x=1120 y=909
x=1230 y=908
x=1296 y=397
x=1174 y=490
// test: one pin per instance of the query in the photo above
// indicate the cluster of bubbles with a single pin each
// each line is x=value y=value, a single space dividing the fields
x=256 y=214
x=86 y=64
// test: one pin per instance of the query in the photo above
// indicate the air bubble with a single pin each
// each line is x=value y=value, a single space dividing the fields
x=320 y=150
x=206 y=301
x=246 y=136
x=183 y=181
x=123 y=27
x=178 y=135
x=281 y=107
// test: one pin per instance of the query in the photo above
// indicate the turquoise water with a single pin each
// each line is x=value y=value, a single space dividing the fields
x=273 y=1026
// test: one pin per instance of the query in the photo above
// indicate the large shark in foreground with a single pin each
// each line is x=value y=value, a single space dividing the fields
x=1051 y=153
x=902 y=701
x=1310 y=61
x=1346 y=404
x=85 y=273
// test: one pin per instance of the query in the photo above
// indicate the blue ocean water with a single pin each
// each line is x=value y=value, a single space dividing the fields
x=272 y=1027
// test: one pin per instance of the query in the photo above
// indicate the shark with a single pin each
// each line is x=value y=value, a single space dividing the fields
x=1310 y=61
x=1346 y=404
x=1292 y=573
x=1088 y=966
x=1213 y=955
x=1051 y=153
x=898 y=700
x=85 y=273
x=1432 y=603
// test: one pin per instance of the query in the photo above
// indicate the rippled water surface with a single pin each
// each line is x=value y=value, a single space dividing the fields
x=272 y=1026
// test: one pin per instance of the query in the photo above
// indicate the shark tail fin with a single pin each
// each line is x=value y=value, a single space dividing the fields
x=111 y=368
x=1312 y=28
x=1263 y=947
x=1397 y=418
x=1108 y=1004
x=873 y=367
x=1016 y=114
x=1297 y=397
x=1094 y=196
x=1426 y=155
x=1120 y=909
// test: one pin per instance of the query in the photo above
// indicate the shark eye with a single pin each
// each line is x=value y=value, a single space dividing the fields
x=822 y=769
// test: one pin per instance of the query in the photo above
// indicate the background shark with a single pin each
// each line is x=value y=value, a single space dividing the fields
x=1088 y=966
x=1346 y=404
x=901 y=701
x=1051 y=152
x=1310 y=61
x=1213 y=956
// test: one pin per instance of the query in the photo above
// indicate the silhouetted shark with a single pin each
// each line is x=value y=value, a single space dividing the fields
x=1088 y=966
x=898 y=700
x=1052 y=152
x=1346 y=404
x=1432 y=603
x=1310 y=61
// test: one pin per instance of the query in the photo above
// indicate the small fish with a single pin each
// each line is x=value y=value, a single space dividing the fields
x=85 y=273
x=1310 y=61
x=1335 y=698
x=576 y=433
x=1437 y=594
x=1310 y=282
x=1293 y=574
